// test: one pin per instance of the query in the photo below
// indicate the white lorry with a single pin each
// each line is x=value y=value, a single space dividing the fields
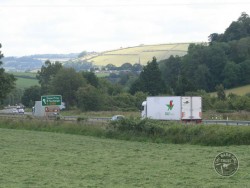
x=173 y=108
x=40 y=110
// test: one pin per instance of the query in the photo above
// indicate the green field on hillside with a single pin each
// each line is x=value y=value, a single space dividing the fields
x=41 y=159
x=25 y=79
x=24 y=74
x=23 y=83
x=238 y=90
x=139 y=54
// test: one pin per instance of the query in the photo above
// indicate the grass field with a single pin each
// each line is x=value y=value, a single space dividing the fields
x=142 y=54
x=23 y=83
x=238 y=90
x=25 y=79
x=40 y=159
x=24 y=74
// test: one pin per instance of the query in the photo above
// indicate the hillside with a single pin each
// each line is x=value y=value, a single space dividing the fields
x=25 y=79
x=138 y=54
x=243 y=90
x=33 y=62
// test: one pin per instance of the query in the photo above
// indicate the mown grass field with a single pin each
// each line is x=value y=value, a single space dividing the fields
x=41 y=159
x=142 y=54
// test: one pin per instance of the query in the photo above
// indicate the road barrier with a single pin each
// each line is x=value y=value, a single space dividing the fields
x=106 y=119
x=226 y=122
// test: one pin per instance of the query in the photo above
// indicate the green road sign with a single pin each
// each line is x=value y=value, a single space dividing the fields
x=50 y=100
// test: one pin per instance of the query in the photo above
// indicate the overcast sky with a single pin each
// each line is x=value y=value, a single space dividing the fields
x=67 y=26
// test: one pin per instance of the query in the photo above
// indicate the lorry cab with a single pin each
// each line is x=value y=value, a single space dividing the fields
x=144 y=109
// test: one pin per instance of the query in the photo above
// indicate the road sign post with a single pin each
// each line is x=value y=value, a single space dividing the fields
x=49 y=100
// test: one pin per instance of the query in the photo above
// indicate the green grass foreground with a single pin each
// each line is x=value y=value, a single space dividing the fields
x=43 y=159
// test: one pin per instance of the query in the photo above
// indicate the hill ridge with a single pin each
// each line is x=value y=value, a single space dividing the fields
x=136 y=54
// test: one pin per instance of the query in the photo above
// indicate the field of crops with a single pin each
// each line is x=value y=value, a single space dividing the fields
x=41 y=159
x=142 y=54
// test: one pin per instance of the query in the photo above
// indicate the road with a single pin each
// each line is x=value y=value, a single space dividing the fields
x=9 y=111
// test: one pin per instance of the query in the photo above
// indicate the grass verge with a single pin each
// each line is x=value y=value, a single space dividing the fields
x=142 y=130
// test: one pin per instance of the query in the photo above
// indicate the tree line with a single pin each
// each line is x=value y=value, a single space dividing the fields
x=223 y=61
x=83 y=90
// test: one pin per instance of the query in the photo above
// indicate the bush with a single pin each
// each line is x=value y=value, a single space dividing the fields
x=145 y=130
x=172 y=132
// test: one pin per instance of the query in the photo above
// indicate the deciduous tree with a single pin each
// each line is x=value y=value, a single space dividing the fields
x=150 y=80
x=66 y=82
x=89 y=98
x=47 y=73
x=31 y=95
x=7 y=81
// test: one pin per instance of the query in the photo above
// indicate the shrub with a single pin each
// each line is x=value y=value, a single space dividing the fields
x=173 y=132
x=142 y=130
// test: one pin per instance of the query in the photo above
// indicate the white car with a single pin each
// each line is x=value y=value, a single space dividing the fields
x=15 y=111
x=20 y=110
x=117 y=117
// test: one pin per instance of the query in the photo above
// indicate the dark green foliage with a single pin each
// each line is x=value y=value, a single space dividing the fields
x=231 y=74
x=172 y=132
x=137 y=67
x=150 y=80
x=109 y=88
x=126 y=66
x=91 y=78
x=225 y=61
x=111 y=67
x=14 y=97
x=46 y=75
x=239 y=103
x=220 y=92
x=139 y=98
x=143 y=130
x=236 y=30
x=31 y=95
x=124 y=101
x=89 y=98
x=221 y=106
x=136 y=86
x=171 y=71
x=66 y=83
x=7 y=81
x=245 y=72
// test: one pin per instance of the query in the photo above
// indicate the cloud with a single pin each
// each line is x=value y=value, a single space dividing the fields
x=53 y=26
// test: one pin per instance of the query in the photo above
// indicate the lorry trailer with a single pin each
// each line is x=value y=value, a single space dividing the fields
x=184 y=108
